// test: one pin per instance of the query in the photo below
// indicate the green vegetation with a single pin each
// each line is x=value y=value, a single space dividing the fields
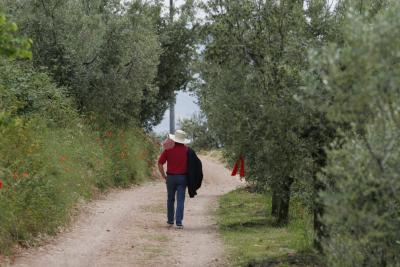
x=362 y=199
x=197 y=130
x=251 y=71
x=73 y=118
x=121 y=62
x=253 y=237
x=11 y=45
x=308 y=93
x=51 y=159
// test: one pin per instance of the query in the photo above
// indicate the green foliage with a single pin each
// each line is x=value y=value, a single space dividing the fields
x=363 y=203
x=51 y=159
x=178 y=40
x=197 y=130
x=120 y=62
x=10 y=45
x=251 y=73
x=31 y=94
x=358 y=89
x=131 y=153
x=250 y=232
x=253 y=69
x=45 y=172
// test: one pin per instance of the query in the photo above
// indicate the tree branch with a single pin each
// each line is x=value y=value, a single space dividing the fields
x=91 y=61
x=389 y=149
x=374 y=156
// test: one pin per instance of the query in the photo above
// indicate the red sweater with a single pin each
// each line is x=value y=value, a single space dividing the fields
x=176 y=159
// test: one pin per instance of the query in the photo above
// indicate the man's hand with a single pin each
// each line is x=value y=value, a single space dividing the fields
x=161 y=169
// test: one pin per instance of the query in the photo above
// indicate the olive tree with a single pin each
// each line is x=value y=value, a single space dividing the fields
x=358 y=89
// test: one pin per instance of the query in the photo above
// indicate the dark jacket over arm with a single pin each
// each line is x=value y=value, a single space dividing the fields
x=194 y=173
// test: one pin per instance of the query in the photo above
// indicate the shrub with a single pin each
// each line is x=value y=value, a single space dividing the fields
x=359 y=91
x=363 y=201
x=51 y=159
x=31 y=94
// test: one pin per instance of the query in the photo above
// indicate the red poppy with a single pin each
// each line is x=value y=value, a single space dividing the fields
x=25 y=174
x=109 y=133
x=1 y=184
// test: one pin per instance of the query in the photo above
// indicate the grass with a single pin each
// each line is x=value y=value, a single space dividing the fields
x=253 y=238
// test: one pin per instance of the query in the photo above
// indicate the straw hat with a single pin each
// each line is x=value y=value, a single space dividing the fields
x=179 y=137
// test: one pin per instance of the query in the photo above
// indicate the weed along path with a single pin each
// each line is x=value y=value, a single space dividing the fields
x=128 y=228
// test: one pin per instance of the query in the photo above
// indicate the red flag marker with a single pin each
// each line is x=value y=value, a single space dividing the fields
x=240 y=162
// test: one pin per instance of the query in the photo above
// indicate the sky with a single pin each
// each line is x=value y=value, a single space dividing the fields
x=185 y=107
x=176 y=2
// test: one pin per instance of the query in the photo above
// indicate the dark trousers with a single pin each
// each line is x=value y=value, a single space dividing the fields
x=176 y=185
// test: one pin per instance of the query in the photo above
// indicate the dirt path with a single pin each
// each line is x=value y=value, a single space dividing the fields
x=128 y=228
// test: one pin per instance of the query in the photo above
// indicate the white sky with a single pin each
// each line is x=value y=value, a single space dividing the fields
x=177 y=3
x=185 y=107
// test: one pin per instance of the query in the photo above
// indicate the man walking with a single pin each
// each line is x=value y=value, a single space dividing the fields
x=176 y=156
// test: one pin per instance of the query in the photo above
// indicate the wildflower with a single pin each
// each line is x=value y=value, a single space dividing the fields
x=109 y=133
x=123 y=155
x=25 y=174
x=1 y=184
x=63 y=158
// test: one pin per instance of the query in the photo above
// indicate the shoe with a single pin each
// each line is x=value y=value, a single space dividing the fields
x=170 y=224
x=179 y=226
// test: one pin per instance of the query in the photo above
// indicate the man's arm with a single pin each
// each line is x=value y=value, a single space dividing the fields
x=161 y=169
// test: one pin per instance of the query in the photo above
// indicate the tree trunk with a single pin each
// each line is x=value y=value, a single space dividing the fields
x=281 y=200
x=283 y=212
x=275 y=202
x=319 y=227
